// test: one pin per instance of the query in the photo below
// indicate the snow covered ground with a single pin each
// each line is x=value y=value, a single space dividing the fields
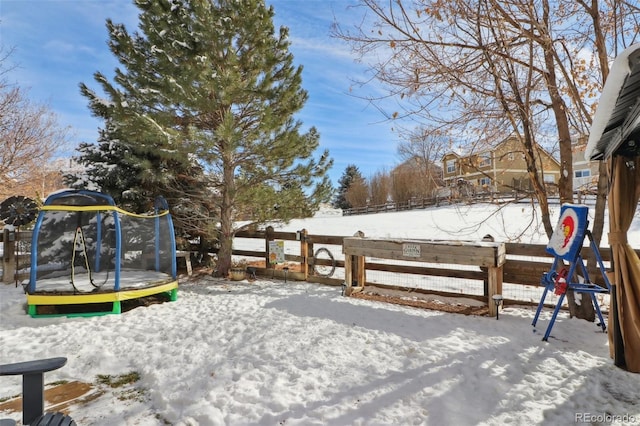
x=270 y=353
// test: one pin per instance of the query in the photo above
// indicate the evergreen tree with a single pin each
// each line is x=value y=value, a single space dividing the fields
x=134 y=176
x=208 y=85
x=351 y=174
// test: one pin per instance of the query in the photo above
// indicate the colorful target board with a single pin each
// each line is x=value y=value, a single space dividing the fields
x=568 y=236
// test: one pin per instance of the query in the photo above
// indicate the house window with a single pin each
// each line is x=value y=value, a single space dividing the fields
x=582 y=173
x=451 y=166
x=485 y=181
x=485 y=160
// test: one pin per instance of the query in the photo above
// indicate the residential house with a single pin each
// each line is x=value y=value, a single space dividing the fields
x=585 y=172
x=502 y=169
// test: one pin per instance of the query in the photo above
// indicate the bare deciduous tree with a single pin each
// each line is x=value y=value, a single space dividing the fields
x=30 y=137
x=423 y=150
x=460 y=68
x=482 y=69
x=405 y=183
x=358 y=193
x=379 y=188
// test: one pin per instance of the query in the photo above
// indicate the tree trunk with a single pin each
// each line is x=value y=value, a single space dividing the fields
x=583 y=309
x=226 y=222
x=534 y=178
x=225 y=251
x=565 y=183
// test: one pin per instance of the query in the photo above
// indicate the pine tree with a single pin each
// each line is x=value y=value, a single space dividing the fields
x=134 y=176
x=109 y=167
x=351 y=174
x=209 y=84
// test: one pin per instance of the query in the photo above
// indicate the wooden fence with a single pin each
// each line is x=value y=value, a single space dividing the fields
x=524 y=265
x=423 y=202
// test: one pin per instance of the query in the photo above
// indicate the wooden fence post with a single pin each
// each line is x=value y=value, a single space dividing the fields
x=494 y=287
x=311 y=254
x=354 y=270
x=361 y=272
x=304 y=253
x=348 y=274
x=268 y=236
x=359 y=265
x=486 y=293
x=8 y=258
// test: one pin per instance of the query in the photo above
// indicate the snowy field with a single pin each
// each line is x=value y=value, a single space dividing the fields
x=270 y=353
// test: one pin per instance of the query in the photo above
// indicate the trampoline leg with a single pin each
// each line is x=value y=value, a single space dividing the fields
x=173 y=295
x=116 y=307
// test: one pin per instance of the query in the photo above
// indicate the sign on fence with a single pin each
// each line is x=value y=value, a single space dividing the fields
x=276 y=251
x=411 y=250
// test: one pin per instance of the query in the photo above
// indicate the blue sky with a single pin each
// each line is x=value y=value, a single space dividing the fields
x=60 y=43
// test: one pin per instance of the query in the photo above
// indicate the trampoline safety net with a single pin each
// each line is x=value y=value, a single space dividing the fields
x=83 y=243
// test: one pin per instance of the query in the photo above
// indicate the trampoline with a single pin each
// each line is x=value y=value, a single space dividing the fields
x=88 y=254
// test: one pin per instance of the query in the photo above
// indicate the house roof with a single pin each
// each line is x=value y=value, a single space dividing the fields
x=616 y=124
x=451 y=153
